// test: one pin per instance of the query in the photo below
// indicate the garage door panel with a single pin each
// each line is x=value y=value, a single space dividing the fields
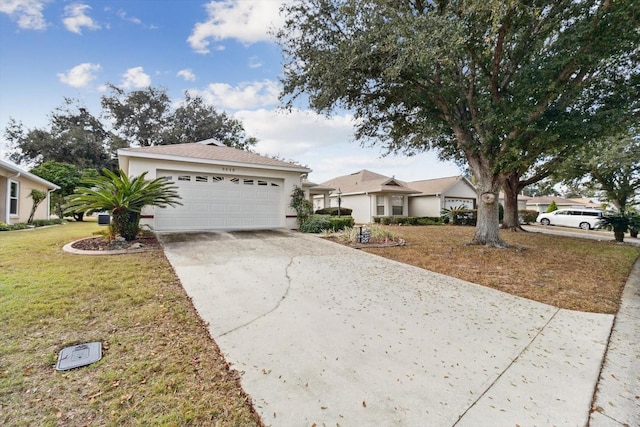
x=213 y=201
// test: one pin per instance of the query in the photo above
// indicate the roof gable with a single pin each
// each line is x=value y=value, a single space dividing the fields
x=365 y=181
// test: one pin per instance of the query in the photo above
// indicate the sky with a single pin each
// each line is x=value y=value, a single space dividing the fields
x=221 y=50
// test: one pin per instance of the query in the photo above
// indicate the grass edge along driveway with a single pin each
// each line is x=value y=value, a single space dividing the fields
x=159 y=365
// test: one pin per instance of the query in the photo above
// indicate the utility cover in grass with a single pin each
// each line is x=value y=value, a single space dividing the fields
x=79 y=355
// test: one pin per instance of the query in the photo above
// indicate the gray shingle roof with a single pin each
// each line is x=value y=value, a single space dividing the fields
x=212 y=153
x=366 y=181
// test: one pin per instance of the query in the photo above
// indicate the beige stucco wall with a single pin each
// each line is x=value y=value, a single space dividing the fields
x=432 y=205
x=359 y=204
x=135 y=166
x=25 y=203
x=424 y=206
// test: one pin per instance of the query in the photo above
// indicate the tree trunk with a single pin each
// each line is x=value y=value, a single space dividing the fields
x=618 y=235
x=126 y=224
x=487 y=187
x=511 y=220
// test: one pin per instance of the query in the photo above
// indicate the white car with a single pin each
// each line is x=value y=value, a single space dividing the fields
x=586 y=219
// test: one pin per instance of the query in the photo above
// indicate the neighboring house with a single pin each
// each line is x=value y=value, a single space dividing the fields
x=367 y=194
x=522 y=201
x=15 y=189
x=541 y=204
x=222 y=188
x=588 y=203
x=441 y=193
x=318 y=196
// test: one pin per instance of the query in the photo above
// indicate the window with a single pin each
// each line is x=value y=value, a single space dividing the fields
x=273 y=184
x=247 y=182
x=263 y=183
x=397 y=205
x=200 y=178
x=215 y=179
x=13 y=198
x=235 y=180
x=380 y=205
x=184 y=178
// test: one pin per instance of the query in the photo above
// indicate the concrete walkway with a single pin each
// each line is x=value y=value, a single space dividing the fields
x=329 y=335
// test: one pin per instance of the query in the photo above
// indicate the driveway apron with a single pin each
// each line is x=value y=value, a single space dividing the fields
x=326 y=334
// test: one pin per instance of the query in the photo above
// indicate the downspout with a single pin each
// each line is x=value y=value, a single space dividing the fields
x=49 y=204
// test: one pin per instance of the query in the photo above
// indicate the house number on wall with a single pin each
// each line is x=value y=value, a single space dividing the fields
x=229 y=169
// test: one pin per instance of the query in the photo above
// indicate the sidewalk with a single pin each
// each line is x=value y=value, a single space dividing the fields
x=617 y=398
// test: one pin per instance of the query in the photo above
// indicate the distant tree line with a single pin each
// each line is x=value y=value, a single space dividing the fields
x=137 y=118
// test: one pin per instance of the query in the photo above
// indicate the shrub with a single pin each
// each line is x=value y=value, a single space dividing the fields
x=334 y=211
x=316 y=224
x=36 y=223
x=528 y=216
x=459 y=215
x=429 y=221
x=552 y=207
x=302 y=206
x=341 y=222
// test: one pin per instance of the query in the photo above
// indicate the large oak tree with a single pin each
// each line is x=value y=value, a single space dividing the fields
x=480 y=80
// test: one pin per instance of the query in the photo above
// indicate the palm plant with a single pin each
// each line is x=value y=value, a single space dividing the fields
x=619 y=223
x=124 y=197
x=456 y=214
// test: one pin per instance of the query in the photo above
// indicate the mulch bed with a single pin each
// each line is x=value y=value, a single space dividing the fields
x=102 y=244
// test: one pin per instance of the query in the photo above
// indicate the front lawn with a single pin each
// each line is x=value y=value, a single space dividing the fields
x=566 y=272
x=159 y=365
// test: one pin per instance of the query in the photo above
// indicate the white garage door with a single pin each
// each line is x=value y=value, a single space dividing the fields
x=218 y=202
x=450 y=202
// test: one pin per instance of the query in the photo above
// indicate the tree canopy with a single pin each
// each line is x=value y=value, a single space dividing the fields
x=74 y=136
x=500 y=84
x=137 y=118
x=194 y=120
x=611 y=165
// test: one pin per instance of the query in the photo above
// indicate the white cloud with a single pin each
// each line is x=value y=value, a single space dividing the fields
x=28 y=13
x=244 y=96
x=187 y=74
x=76 y=18
x=248 y=21
x=326 y=145
x=123 y=15
x=254 y=62
x=135 y=78
x=295 y=132
x=80 y=75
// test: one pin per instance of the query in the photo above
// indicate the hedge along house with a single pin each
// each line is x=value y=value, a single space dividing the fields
x=441 y=193
x=15 y=190
x=222 y=188
x=368 y=195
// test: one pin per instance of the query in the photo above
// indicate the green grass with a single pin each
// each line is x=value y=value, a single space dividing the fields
x=159 y=365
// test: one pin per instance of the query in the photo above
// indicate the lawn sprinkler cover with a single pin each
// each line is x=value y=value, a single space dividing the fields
x=79 y=355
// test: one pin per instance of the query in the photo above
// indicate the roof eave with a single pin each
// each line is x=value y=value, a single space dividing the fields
x=157 y=156
x=29 y=175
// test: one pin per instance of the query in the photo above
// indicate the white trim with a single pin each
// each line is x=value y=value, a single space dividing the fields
x=9 y=198
x=22 y=172
x=170 y=157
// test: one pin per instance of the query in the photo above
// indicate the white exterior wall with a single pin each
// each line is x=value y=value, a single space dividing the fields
x=359 y=204
x=136 y=166
x=461 y=190
x=424 y=206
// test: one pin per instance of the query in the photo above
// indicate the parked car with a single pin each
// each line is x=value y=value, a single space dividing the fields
x=586 y=219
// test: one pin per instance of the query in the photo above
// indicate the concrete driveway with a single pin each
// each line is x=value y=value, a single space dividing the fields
x=330 y=335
